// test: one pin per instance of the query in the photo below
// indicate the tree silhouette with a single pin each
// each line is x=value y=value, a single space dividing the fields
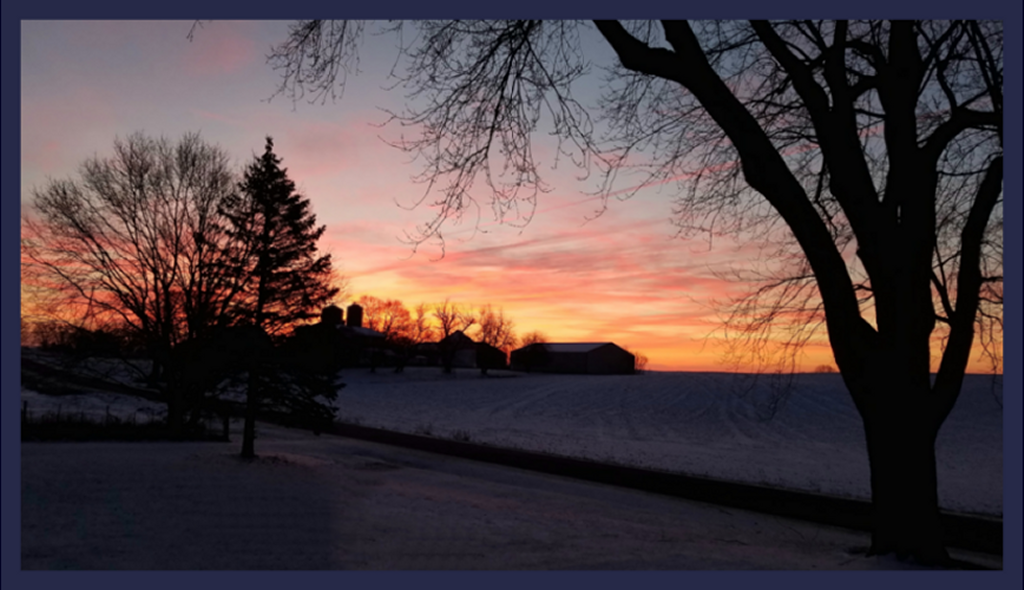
x=387 y=316
x=532 y=356
x=639 y=360
x=495 y=330
x=878 y=145
x=137 y=241
x=535 y=337
x=421 y=329
x=285 y=280
x=451 y=318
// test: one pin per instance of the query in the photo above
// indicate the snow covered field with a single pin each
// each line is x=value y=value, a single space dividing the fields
x=711 y=424
x=332 y=503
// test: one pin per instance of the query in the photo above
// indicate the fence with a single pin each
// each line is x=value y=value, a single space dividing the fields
x=57 y=424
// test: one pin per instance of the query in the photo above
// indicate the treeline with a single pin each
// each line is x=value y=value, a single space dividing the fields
x=425 y=323
x=162 y=250
x=404 y=328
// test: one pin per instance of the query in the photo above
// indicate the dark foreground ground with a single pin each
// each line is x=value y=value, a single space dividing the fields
x=317 y=503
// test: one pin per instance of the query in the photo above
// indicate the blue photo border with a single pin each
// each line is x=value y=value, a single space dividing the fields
x=12 y=577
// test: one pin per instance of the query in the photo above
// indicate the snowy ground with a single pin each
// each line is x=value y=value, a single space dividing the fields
x=332 y=503
x=697 y=423
x=93 y=406
x=710 y=424
x=325 y=502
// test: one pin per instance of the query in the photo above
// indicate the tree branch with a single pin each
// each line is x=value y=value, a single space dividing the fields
x=763 y=168
x=837 y=132
x=949 y=379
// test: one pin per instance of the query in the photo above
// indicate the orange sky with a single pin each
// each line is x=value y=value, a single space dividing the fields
x=622 y=276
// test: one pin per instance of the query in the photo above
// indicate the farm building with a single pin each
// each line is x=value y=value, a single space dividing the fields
x=349 y=343
x=458 y=347
x=590 y=358
x=467 y=353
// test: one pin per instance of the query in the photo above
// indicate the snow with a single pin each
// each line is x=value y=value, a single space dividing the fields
x=709 y=424
x=123 y=371
x=93 y=406
x=333 y=503
x=712 y=424
x=315 y=503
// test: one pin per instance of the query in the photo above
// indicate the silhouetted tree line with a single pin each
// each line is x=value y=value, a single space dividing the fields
x=436 y=333
x=160 y=250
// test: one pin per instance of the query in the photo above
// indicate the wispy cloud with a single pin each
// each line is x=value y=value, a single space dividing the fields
x=221 y=50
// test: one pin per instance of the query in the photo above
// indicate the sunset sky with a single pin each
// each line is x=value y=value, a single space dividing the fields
x=622 y=276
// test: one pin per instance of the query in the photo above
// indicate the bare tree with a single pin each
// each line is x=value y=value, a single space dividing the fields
x=387 y=316
x=535 y=356
x=137 y=240
x=495 y=330
x=418 y=331
x=451 y=318
x=535 y=337
x=421 y=329
x=870 y=153
x=391 y=318
x=640 y=362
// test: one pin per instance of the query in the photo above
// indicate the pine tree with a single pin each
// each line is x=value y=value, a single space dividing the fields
x=286 y=281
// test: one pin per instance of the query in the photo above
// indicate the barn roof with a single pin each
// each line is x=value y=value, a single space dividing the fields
x=573 y=346
x=459 y=338
x=366 y=332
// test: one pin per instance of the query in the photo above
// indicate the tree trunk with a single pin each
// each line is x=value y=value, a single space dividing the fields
x=154 y=372
x=175 y=411
x=175 y=395
x=904 y=494
x=249 y=430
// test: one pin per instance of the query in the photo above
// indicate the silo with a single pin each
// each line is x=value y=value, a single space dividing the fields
x=331 y=315
x=355 y=316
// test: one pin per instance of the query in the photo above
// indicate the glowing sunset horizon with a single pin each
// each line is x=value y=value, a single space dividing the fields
x=574 y=272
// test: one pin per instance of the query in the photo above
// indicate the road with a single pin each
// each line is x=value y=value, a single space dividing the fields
x=316 y=503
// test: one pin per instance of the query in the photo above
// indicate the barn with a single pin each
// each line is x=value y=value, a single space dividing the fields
x=459 y=348
x=350 y=344
x=588 y=358
x=466 y=353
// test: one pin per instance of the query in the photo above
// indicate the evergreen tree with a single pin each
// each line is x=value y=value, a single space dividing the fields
x=286 y=281
x=276 y=248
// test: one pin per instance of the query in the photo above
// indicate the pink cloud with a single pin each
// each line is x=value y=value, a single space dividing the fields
x=221 y=50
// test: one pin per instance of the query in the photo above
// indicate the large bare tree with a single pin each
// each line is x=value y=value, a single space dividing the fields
x=872 y=150
x=137 y=241
x=387 y=316
x=451 y=318
x=496 y=329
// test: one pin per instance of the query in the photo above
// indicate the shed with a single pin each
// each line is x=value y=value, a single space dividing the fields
x=458 y=349
x=588 y=358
